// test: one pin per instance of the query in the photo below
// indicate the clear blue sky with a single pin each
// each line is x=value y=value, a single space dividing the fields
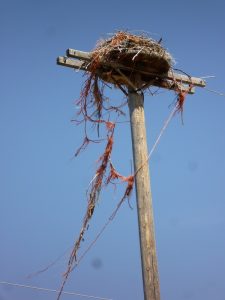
x=43 y=190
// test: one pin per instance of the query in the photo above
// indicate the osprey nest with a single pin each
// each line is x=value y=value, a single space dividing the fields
x=133 y=54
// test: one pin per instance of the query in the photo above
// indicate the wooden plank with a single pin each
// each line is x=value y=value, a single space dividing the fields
x=186 y=79
x=71 y=63
x=170 y=75
x=169 y=85
x=143 y=197
x=78 y=54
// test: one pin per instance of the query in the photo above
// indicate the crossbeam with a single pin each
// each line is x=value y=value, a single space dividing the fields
x=87 y=56
x=83 y=65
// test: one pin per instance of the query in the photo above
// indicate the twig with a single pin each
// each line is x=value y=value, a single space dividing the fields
x=137 y=53
x=127 y=80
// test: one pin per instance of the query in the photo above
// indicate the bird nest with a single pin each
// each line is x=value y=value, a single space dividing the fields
x=135 y=55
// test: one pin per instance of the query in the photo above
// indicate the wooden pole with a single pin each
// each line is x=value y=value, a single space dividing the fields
x=144 y=199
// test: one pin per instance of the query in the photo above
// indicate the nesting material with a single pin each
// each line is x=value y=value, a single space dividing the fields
x=132 y=52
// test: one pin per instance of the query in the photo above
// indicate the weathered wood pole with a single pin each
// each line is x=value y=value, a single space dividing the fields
x=144 y=199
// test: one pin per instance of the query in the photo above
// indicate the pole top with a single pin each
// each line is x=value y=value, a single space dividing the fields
x=124 y=57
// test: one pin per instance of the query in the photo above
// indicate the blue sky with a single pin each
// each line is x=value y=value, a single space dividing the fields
x=43 y=188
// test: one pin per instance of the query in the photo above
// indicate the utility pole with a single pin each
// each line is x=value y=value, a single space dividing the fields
x=140 y=151
x=143 y=197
